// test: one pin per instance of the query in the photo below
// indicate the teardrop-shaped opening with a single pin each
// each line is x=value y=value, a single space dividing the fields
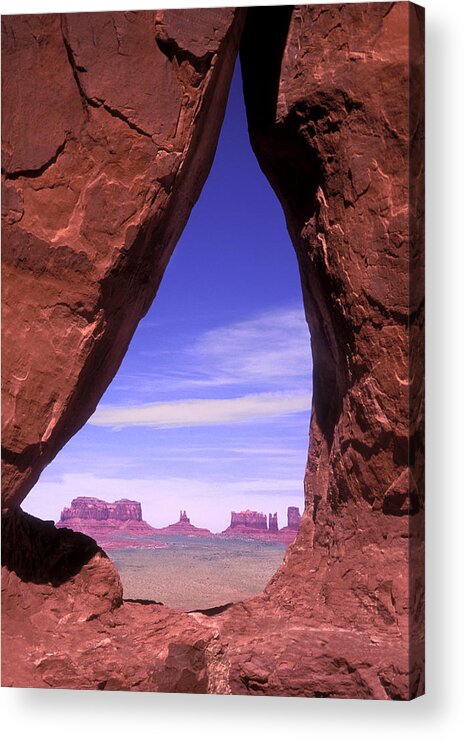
x=206 y=423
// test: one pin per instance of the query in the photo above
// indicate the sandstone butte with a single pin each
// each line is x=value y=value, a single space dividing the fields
x=254 y=525
x=120 y=524
x=183 y=526
x=111 y=525
x=110 y=123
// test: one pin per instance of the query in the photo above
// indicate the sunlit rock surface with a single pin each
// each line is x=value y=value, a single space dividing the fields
x=110 y=124
x=94 y=202
x=338 y=130
x=111 y=525
x=247 y=520
x=255 y=525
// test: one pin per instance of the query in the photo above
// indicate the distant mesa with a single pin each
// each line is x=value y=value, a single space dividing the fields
x=183 y=526
x=293 y=517
x=273 y=523
x=120 y=524
x=107 y=523
x=293 y=520
x=254 y=524
x=96 y=510
x=248 y=520
x=91 y=512
x=112 y=525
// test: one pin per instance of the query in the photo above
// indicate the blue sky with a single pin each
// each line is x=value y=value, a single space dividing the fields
x=209 y=411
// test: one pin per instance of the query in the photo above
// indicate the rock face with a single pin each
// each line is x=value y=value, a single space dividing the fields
x=40 y=561
x=107 y=523
x=110 y=124
x=293 y=517
x=273 y=523
x=247 y=520
x=95 y=509
x=64 y=622
x=333 y=129
x=254 y=525
x=94 y=203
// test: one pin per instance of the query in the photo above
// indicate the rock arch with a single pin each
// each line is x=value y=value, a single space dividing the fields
x=94 y=203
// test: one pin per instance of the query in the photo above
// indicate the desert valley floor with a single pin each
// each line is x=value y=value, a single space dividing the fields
x=197 y=573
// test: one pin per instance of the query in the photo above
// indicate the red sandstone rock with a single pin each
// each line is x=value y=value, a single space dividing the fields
x=253 y=525
x=110 y=123
x=64 y=623
x=111 y=525
x=334 y=97
x=273 y=523
x=45 y=569
x=293 y=517
x=333 y=129
x=245 y=521
x=85 y=507
x=183 y=526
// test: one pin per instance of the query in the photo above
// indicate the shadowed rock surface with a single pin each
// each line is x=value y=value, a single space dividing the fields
x=47 y=568
x=94 y=204
x=332 y=130
x=65 y=624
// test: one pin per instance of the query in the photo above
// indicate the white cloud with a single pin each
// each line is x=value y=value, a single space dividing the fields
x=267 y=349
x=206 y=455
x=269 y=352
x=201 y=412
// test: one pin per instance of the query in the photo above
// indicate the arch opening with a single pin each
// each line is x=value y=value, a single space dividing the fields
x=350 y=184
x=209 y=412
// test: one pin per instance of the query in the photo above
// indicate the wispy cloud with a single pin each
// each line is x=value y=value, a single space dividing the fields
x=217 y=422
x=266 y=350
x=201 y=412
x=269 y=352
